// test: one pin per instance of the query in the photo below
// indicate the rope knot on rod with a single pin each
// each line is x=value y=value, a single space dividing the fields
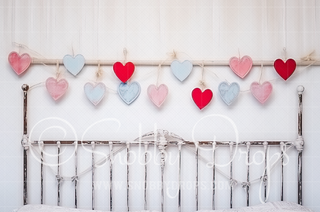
x=172 y=55
x=264 y=179
x=233 y=183
x=75 y=178
x=245 y=185
x=202 y=83
x=24 y=142
x=309 y=57
x=59 y=178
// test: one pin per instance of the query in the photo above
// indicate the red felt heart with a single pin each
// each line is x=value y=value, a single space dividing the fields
x=285 y=69
x=201 y=99
x=123 y=72
x=19 y=63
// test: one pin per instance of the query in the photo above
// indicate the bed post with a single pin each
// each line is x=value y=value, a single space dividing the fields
x=162 y=144
x=24 y=142
x=299 y=144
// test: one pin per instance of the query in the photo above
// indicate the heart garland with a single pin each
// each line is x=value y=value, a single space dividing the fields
x=241 y=67
x=19 y=63
x=56 y=88
x=158 y=94
x=95 y=92
x=181 y=70
x=201 y=99
x=123 y=72
x=229 y=93
x=74 y=64
x=261 y=92
x=129 y=92
x=285 y=69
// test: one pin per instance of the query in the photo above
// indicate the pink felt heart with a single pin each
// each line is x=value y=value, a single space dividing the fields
x=241 y=67
x=19 y=63
x=56 y=88
x=157 y=94
x=285 y=68
x=261 y=92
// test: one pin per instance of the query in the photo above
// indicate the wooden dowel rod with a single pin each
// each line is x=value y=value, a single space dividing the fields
x=168 y=62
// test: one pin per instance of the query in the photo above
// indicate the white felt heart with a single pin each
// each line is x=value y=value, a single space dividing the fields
x=157 y=94
x=95 y=93
x=181 y=70
x=74 y=64
x=229 y=93
x=129 y=92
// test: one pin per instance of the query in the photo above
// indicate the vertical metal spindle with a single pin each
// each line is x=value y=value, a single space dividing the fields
x=58 y=174
x=213 y=174
x=25 y=89
x=111 y=162
x=265 y=177
x=300 y=91
x=231 y=177
x=75 y=179
x=41 y=182
x=197 y=177
x=248 y=173
x=162 y=144
x=162 y=188
x=281 y=147
x=24 y=143
x=25 y=176
x=145 y=174
x=92 y=174
x=128 y=178
x=299 y=144
x=179 y=194
x=300 y=177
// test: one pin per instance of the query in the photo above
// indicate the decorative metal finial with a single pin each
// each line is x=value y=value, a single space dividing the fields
x=300 y=89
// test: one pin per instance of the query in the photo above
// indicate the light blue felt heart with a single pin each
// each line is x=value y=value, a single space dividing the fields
x=129 y=92
x=95 y=93
x=73 y=64
x=229 y=93
x=181 y=70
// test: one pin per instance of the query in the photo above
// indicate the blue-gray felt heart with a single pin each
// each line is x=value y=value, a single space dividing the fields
x=74 y=64
x=181 y=70
x=129 y=92
x=229 y=93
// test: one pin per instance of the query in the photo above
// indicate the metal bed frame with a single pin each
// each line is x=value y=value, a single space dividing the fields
x=162 y=139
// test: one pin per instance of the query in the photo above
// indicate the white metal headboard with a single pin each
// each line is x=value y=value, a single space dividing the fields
x=161 y=139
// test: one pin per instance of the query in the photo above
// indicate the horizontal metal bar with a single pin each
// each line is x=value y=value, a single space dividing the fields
x=201 y=143
x=167 y=63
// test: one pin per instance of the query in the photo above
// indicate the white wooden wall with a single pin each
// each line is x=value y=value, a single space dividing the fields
x=197 y=30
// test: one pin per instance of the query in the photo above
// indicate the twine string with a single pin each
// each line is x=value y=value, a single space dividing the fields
x=125 y=52
x=173 y=55
x=27 y=48
x=285 y=27
x=58 y=72
x=310 y=58
x=285 y=53
x=37 y=84
x=261 y=70
x=202 y=82
x=159 y=68
x=99 y=72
